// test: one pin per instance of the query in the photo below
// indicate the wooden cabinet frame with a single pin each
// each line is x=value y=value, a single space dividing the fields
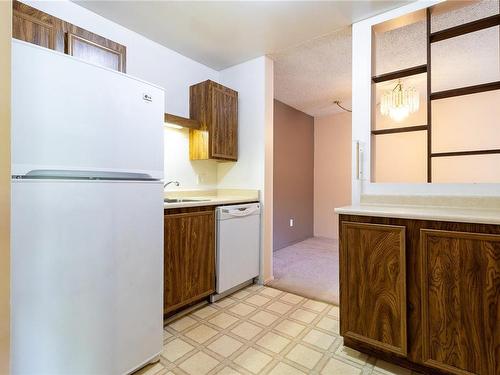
x=70 y=40
x=425 y=235
x=183 y=284
x=478 y=248
x=346 y=331
x=60 y=34
x=215 y=107
x=40 y=20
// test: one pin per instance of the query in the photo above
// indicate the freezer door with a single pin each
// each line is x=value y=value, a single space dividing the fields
x=87 y=276
x=68 y=114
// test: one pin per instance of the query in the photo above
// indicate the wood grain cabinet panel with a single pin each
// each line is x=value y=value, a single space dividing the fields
x=95 y=49
x=224 y=142
x=453 y=296
x=216 y=108
x=461 y=301
x=34 y=26
x=373 y=285
x=189 y=258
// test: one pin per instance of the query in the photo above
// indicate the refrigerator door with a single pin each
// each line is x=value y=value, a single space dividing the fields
x=68 y=114
x=87 y=276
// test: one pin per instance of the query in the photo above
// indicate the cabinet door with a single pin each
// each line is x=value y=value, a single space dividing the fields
x=224 y=125
x=189 y=263
x=373 y=285
x=461 y=301
x=95 y=49
x=33 y=26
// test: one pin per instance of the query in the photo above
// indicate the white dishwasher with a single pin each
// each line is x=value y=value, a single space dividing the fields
x=238 y=247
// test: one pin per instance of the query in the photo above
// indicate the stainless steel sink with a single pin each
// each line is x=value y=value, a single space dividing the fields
x=181 y=200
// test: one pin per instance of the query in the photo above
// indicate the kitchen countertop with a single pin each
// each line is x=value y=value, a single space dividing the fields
x=465 y=209
x=217 y=197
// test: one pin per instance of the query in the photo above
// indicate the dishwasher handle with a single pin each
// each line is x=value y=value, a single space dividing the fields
x=240 y=211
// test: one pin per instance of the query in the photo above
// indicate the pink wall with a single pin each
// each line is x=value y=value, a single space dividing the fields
x=332 y=171
x=293 y=175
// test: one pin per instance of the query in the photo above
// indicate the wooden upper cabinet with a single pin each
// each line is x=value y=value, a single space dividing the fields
x=95 y=49
x=216 y=108
x=461 y=301
x=34 y=26
x=373 y=285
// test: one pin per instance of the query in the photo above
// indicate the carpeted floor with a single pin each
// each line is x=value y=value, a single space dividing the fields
x=309 y=268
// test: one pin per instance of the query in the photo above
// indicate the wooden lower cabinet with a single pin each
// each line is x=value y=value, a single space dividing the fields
x=373 y=284
x=189 y=260
x=461 y=301
x=450 y=273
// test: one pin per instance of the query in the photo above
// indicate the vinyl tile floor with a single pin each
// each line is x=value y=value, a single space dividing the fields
x=261 y=330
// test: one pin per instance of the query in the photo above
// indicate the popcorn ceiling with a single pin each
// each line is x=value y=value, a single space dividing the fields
x=401 y=48
x=312 y=75
x=474 y=10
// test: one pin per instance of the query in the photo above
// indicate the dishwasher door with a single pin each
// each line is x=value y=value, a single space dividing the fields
x=238 y=245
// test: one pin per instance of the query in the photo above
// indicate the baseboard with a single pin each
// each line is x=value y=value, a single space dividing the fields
x=293 y=242
x=217 y=296
x=327 y=238
x=268 y=280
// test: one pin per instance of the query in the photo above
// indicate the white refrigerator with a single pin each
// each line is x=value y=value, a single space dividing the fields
x=87 y=217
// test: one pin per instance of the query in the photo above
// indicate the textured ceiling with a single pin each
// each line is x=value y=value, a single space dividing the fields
x=311 y=76
x=220 y=34
x=314 y=74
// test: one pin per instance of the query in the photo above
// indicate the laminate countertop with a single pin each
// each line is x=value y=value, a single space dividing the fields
x=454 y=209
x=219 y=197
x=480 y=216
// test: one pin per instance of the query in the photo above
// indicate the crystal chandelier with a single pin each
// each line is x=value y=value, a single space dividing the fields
x=399 y=102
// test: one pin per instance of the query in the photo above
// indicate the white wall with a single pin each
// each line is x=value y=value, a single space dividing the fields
x=332 y=171
x=154 y=63
x=254 y=82
x=361 y=95
x=5 y=100
x=248 y=79
x=267 y=238
x=191 y=174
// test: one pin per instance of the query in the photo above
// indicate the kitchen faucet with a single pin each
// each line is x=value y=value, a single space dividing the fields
x=176 y=183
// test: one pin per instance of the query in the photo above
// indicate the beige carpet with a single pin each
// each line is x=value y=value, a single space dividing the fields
x=309 y=268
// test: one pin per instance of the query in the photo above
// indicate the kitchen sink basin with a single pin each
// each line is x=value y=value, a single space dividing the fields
x=181 y=200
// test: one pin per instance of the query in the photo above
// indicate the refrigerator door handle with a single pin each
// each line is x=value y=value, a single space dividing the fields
x=86 y=175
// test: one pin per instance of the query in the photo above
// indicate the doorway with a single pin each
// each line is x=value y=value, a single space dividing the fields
x=312 y=164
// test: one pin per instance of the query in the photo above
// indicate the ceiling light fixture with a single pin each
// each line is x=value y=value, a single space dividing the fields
x=399 y=102
x=337 y=102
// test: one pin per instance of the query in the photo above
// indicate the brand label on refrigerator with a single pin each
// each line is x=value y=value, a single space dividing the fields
x=147 y=97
